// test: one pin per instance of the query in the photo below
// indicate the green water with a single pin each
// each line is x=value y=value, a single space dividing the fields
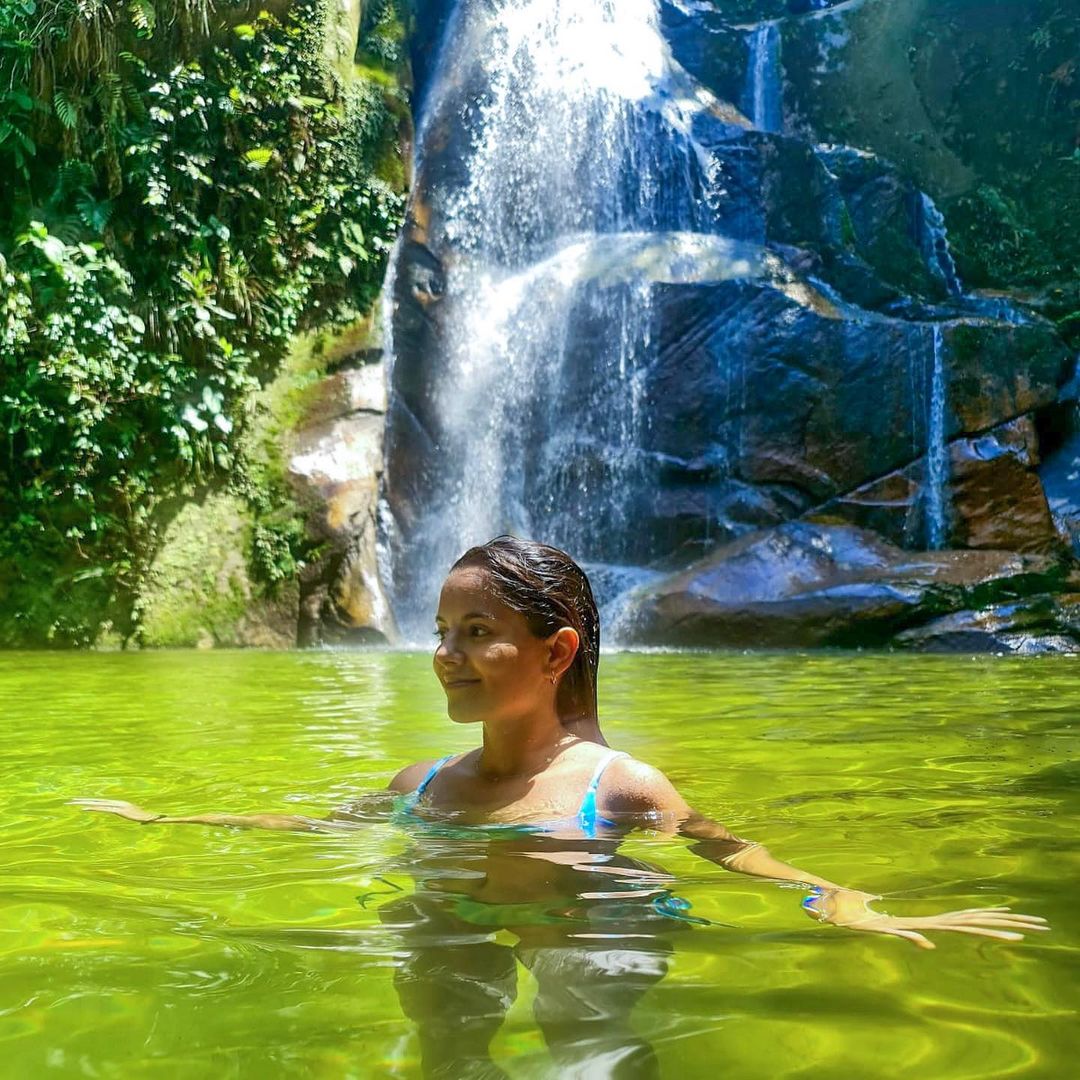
x=181 y=951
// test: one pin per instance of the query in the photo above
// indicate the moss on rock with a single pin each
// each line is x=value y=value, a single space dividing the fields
x=199 y=590
x=227 y=566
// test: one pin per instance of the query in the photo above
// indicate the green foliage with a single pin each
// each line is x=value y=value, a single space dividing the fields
x=274 y=547
x=991 y=236
x=383 y=32
x=180 y=196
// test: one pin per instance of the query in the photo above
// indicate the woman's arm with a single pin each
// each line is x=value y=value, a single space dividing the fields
x=645 y=791
x=278 y=822
x=369 y=808
x=718 y=845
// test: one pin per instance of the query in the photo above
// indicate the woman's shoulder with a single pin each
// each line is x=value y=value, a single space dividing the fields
x=634 y=786
x=412 y=776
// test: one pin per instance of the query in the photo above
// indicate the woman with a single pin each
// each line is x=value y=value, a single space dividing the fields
x=537 y=812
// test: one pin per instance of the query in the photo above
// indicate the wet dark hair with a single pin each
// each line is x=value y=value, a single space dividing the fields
x=546 y=586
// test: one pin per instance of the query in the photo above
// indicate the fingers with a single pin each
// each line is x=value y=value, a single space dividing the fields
x=996 y=917
x=111 y=806
x=1002 y=935
x=913 y=936
x=1015 y=924
x=996 y=912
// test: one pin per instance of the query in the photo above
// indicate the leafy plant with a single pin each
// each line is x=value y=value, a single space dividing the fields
x=180 y=197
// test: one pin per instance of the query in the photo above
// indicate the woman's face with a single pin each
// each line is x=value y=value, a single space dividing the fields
x=489 y=662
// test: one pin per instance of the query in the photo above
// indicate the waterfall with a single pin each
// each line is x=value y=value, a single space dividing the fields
x=935 y=246
x=934 y=242
x=937 y=460
x=577 y=188
x=763 y=80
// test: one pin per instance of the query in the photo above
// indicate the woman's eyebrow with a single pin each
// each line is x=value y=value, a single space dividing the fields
x=471 y=615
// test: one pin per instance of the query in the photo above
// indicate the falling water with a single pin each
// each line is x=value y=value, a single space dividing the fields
x=934 y=242
x=580 y=187
x=935 y=246
x=937 y=462
x=763 y=90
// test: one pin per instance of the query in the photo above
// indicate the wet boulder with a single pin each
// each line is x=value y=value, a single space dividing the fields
x=991 y=493
x=802 y=585
x=1060 y=477
x=758 y=398
x=1036 y=625
x=997 y=498
x=705 y=41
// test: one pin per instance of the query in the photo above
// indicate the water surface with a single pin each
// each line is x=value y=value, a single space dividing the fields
x=181 y=951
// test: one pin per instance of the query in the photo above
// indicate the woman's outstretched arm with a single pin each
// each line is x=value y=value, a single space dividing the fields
x=646 y=791
x=371 y=807
x=279 y=822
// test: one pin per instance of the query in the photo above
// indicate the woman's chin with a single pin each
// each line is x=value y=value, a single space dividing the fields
x=461 y=715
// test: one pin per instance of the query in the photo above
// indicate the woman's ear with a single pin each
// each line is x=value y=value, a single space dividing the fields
x=563 y=647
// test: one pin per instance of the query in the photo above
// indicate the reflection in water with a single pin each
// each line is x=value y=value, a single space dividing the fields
x=594 y=928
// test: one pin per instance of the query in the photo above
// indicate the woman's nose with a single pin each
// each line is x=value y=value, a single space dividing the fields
x=446 y=652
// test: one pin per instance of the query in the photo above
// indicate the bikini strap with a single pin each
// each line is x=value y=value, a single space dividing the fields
x=587 y=815
x=431 y=775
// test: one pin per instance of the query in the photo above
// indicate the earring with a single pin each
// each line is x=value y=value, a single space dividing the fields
x=554 y=678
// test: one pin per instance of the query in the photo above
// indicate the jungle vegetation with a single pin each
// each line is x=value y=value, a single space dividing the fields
x=184 y=186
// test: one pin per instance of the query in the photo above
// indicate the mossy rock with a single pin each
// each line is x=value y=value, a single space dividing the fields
x=977 y=103
x=227 y=569
x=199 y=591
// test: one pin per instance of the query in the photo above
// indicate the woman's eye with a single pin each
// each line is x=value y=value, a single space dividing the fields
x=440 y=634
x=477 y=631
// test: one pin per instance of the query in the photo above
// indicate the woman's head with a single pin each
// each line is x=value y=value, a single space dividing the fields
x=551 y=594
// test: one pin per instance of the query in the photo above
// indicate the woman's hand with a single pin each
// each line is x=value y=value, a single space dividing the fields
x=851 y=909
x=116 y=806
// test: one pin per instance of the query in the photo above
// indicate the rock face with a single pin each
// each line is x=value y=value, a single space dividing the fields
x=762 y=409
x=994 y=497
x=314 y=451
x=916 y=81
x=335 y=468
x=847 y=383
x=997 y=498
x=1060 y=478
x=816 y=585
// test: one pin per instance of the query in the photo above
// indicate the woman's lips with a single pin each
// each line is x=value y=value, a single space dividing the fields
x=458 y=684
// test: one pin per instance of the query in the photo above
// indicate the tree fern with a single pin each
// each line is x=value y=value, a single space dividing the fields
x=95 y=214
x=67 y=112
x=143 y=16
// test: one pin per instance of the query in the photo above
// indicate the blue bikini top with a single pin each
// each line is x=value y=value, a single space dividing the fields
x=587 y=819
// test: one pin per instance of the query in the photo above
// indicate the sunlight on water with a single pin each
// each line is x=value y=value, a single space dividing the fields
x=130 y=951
